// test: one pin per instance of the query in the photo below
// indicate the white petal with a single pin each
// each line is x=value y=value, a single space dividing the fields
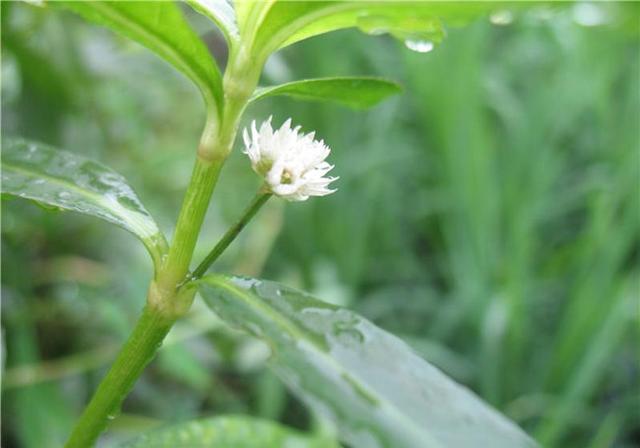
x=292 y=163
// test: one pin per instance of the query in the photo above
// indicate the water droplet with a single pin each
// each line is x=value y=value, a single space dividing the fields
x=39 y=3
x=373 y=25
x=247 y=283
x=589 y=14
x=110 y=179
x=346 y=331
x=111 y=417
x=419 y=33
x=501 y=18
x=377 y=31
x=420 y=46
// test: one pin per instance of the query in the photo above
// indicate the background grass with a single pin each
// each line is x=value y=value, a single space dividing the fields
x=489 y=216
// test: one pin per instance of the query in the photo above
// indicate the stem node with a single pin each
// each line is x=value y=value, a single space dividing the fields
x=169 y=304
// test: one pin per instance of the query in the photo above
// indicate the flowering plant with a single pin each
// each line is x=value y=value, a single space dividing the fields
x=370 y=386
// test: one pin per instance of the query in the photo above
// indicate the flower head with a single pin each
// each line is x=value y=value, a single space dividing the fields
x=292 y=164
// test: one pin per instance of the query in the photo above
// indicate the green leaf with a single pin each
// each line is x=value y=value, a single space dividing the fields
x=228 y=432
x=249 y=14
x=369 y=382
x=283 y=23
x=159 y=26
x=355 y=92
x=68 y=181
x=221 y=13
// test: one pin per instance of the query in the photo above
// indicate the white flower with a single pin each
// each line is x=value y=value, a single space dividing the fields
x=292 y=164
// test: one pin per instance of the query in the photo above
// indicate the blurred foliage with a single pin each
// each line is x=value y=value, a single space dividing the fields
x=489 y=216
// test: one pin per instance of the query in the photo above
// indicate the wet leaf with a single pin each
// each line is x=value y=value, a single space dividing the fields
x=68 y=181
x=280 y=23
x=369 y=382
x=353 y=91
x=228 y=431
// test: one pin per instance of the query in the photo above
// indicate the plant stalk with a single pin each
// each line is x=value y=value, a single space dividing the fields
x=165 y=305
x=203 y=181
x=136 y=353
x=169 y=297
x=258 y=201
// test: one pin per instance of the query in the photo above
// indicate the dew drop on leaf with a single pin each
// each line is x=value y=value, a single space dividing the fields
x=501 y=17
x=419 y=46
x=588 y=14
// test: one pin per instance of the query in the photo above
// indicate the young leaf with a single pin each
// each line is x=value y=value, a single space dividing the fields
x=221 y=13
x=370 y=383
x=356 y=92
x=250 y=13
x=228 y=431
x=68 y=181
x=283 y=23
x=159 y=26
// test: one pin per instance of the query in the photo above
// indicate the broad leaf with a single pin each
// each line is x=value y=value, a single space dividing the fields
x=221 y=13
x=356 y=92
x=369 y=382
x=227 y=431
x=68 y=181
x=159 y=26
x=282 y=23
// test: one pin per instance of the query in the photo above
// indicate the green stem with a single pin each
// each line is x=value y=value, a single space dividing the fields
x=258 y=201
x=137 y=352
x=165 y=304
x=167 y=300
x=203 y=181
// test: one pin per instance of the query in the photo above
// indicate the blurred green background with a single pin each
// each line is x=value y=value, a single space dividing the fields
x=489 y=216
